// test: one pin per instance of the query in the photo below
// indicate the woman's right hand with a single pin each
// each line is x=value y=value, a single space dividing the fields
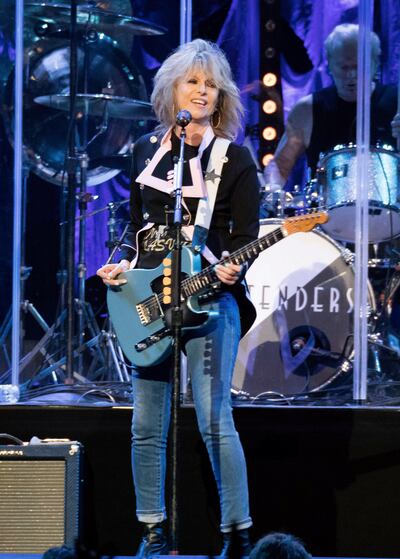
x=109 y=272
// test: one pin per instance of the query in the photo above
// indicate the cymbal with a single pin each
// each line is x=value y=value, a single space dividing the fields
x=87 y=13
x=110 y=206
x=121 y=161
x=100 y=104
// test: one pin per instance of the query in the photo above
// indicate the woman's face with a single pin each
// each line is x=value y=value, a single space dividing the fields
x=198 y=94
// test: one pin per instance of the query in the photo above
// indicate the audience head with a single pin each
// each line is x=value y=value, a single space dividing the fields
x=278 y=545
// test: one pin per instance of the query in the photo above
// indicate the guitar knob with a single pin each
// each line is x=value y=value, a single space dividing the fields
x=167 y=263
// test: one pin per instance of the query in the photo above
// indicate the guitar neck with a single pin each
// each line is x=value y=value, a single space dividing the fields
x=206 y=277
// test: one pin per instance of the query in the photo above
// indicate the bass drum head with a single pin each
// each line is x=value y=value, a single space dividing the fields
x=303 y=291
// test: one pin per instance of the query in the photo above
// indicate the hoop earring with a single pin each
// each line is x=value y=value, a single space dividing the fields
x=216 y=124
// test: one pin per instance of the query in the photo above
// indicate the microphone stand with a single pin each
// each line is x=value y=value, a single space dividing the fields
x=176 y=323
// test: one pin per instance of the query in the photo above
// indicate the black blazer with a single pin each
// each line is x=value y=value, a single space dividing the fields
x=235 y=220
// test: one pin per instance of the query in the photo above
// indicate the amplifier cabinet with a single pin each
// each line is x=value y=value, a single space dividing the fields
x=40 y=489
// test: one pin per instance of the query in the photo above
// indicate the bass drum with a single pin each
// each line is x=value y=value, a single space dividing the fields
x=302 y=288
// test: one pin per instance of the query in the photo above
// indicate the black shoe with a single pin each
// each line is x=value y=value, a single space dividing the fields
x=236 y=544
x=153 y=542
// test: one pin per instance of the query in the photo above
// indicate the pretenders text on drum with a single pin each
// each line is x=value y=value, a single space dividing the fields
x=302 y=289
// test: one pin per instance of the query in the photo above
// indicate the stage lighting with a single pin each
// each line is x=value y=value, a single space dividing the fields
x=270 y=79
x=269 y=133
x=269 y=107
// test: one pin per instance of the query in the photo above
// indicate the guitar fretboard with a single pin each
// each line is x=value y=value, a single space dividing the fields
x=151 y=308
x=206 y=277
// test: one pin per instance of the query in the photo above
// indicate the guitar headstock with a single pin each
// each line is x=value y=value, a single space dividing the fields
x=305 y=222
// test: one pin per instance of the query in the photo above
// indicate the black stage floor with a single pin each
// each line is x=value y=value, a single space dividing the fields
x=330 y=476
x=37 y=556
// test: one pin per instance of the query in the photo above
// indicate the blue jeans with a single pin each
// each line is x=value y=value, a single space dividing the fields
x=210 y=362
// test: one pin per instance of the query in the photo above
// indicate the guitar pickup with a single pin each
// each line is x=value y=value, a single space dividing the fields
x=213 y=289
x=153 y=339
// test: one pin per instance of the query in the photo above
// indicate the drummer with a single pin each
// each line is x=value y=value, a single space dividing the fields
x=324 y=119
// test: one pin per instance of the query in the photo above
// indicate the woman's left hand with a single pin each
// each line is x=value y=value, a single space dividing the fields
x=228 y=273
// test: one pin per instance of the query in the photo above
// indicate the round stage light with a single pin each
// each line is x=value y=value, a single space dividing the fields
x=270 y=79
x=267 y=158
x=269 y=133
x=269 y=107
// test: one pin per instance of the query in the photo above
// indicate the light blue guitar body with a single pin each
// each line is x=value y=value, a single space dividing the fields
x=129 y=317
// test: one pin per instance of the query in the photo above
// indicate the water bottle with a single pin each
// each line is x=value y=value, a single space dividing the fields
x=9 y=393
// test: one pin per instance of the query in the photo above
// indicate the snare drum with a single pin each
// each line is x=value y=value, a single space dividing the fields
x=336 y=176
x=302 y=288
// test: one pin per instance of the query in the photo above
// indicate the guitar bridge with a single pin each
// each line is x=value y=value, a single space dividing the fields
x=144 y=314
x=149 y=310
x=153 y=339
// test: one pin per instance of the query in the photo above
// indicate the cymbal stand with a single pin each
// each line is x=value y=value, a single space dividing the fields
x=72 y=159
x=79 y=158
x=380 y=334
x=26 y=305
x=116 y=355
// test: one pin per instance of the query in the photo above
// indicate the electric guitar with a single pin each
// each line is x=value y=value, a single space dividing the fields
x=141 y=316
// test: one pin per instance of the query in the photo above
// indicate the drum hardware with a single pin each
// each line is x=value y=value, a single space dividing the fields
x=115 y=355
x=275 y=202
x=278 y=203
x=26 y=306
x=377 y=340
x=113 y=358
x=106 y=352
x=5 y=329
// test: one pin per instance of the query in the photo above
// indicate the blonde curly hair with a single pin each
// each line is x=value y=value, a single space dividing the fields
x=209 y=58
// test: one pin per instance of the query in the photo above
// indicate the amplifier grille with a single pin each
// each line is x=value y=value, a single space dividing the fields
x=32 y=505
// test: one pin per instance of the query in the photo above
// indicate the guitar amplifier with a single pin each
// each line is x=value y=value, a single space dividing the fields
x=39 y=496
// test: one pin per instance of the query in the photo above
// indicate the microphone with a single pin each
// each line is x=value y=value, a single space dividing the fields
x=183 y=118
x=298 y=343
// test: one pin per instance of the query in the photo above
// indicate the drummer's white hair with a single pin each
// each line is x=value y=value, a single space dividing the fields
x=348 y=33
x=208 y=57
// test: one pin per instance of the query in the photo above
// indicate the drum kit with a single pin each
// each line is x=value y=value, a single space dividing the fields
x=303 y=287
x=301 y=344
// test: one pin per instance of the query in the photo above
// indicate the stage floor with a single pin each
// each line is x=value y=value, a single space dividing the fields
x=328 y=475
x=38 y=556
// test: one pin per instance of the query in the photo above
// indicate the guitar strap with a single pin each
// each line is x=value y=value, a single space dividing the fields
x=199 y=232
